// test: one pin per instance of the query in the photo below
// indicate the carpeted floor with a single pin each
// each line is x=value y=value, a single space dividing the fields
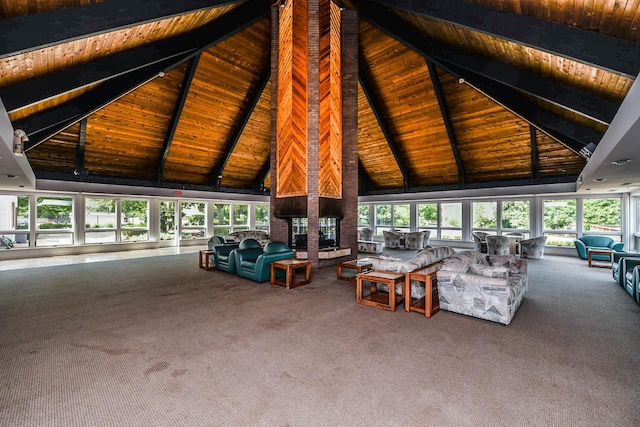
x=159 y=342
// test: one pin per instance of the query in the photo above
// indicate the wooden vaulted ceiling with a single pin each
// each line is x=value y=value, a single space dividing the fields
x=456 y=95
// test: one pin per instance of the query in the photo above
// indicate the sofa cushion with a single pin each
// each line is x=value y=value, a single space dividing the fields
x=456 y=264
x=490 y=271
x=507 y=261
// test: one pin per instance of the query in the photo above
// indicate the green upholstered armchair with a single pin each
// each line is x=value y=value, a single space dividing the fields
x=224 y=254
x=622 y=263
x=600 y=242
x=255 y=263
x=215 y=241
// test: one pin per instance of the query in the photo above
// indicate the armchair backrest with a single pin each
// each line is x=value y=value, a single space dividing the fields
x=498 y=245
x=255 y=263
x=249 y=243
x=214 y=241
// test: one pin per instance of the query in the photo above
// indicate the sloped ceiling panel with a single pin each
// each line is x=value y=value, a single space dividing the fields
x=221 y=86
x=124 y=139
x=57 y=154
x=555 y=159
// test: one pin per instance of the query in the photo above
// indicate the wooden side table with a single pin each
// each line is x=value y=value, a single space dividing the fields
x=204 y=259
x=591 y=252
x=290 y=266
x=359 y=265
x=429 y=305
x=378 y=299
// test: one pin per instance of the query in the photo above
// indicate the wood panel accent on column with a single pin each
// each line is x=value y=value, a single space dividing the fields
x=292 y=104
x=330 y=113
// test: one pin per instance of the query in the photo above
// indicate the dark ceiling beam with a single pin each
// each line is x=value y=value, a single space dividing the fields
x=584 y=103
x=574 y=135
x=247 y=111
x=54 y=84
x=261 y=176
x=369 y=91
x=175 y=117
x=43 y=125
x=444 y=111
x=23 y=34
x=535 y=157
x=588 y=47
x=80 y=149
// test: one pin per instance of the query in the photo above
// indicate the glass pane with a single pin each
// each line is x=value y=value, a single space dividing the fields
x=192 y=233
x=221 y=231
x=262 y=217
x=451 y=215
x=134 y=213
x=516 y=214
x=401 y=216
x=100 y=236
x=54 y=239
x=383 y=215
x=167 y=220
x=560 y=215
x=602 y=215
x=240 y=214
x=363 y=214
x=485 y=214
x=134 y=235
x=14 y=212
x=566 y=239
x=428 y=215
x=221 y=214
x=100 y=213
x=8 y=241
x=451 y=234
x=192 y=214
x=54 y=213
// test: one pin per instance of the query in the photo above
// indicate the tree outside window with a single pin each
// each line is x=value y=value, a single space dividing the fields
x=485 y=215
x=428 y=215
x=516 y=214
x=401 y=216
x=363 y=215
x=602 y=215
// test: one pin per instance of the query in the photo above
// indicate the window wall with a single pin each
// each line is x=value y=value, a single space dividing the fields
x=501 y=217
x=392 y=216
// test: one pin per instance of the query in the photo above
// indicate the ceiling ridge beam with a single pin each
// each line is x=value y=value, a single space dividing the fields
x=617 y=55
x=175 y=118
x=50 y=85
x=364 y=177
x=28 y=33
x=444 y=111
x=254 y=97
x=369 y=92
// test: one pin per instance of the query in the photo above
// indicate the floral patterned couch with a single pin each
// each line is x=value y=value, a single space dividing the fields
x=261 y=236
x=488 y=287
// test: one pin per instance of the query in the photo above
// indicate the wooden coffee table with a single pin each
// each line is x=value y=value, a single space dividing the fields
x=378 y=299
x=359 y=265
x=290 y=266
x=429 y=304
x=591 y=252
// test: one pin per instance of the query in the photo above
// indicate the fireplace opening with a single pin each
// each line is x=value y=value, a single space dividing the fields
x=328 y=230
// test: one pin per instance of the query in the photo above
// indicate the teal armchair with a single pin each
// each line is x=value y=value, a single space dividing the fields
x=224 y=254
x=215 y=241
x=623 y=262
x=598 y=242
x=255 y=263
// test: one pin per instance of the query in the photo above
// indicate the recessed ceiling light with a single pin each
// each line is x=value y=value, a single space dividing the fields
x=621 y=162
x=600 y=179
x=11 y=176
x=627 y=183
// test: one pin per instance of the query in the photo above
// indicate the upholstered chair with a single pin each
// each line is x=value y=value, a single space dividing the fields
x=414 y=240
x=224 y=255
x=425 y=242
x=255 y=263
x=621 y=264
x=392 y=240
x=498 y=245
x=366 y=234
x=479 y=241
x=215 y=241
x=533 y=248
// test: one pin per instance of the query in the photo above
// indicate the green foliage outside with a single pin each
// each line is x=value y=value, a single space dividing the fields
x=240 y=214
x=167 y=220
x=55 y=211
x=134 y=213
x=485 y=214
x=23 y=213
x=451 y=214
x=221 y=214
x=189 y=217
x=383 y=215
x=262 y=214
x=560 y=214
x=401 y=215
x=363 y=215
x=601 y=214
x=516 y=214
x=428 y=215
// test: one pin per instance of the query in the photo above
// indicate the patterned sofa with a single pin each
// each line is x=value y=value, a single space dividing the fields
x=488 y=287
x=260 y=235
x=423 y=258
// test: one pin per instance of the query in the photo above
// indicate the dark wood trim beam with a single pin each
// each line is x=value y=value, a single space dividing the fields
x=364 y=177
x=43 y=125
x=605 y=52
x=263 y=173
x=54 y=84
x=587 y=104
x=369 y=91
x=247 y=111
x=80 y=149
x=175 y=117
x=32 y=32
x=444 y=111
x=535 y=157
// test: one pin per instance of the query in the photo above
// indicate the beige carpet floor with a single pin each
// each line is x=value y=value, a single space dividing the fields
x=159 y=342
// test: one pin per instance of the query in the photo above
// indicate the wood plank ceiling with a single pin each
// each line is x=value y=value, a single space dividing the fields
x=179 y=95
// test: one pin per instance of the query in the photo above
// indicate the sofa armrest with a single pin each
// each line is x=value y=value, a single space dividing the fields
x=582 y=248
x=619 y=246
x=225 y=249
x=248 y=254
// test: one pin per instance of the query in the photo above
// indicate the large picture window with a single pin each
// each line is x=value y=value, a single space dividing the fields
x=193 y=220
x=14 y=221
x=54 y=217
x=167 y=220
x=262 y=217
x=560 y=225
x=451 y=221
x=134 y=218
x=602 y=216
x=100 y=220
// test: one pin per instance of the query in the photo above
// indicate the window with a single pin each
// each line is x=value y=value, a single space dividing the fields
x=363 y=216
x=602 y=216
x=53 y=221
x=14 y=216
x=192 y=220
x=167 y=220
x=133 y=220
x=221 y=219
x=451 y=221
x=560 y=222
x=262 y=217
x=100 y=220
x=516 y=215
x=383 y=218
x=240 y=219
x=485 y=215
x=401 y=217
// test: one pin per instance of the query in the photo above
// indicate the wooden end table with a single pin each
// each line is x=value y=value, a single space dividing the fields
x=429 y=304
x=384 y=300
x=591 y=252
x=204 y=259
x=290 y=266
x=359 y=265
